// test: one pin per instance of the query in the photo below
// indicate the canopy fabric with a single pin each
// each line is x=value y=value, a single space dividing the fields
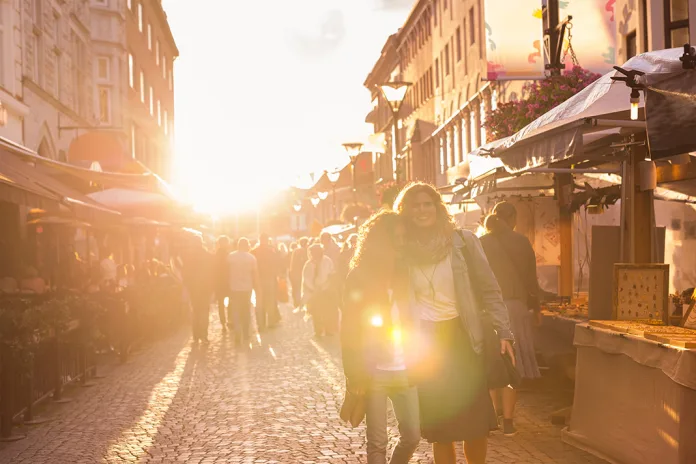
x=40 y=175
x=556 y=135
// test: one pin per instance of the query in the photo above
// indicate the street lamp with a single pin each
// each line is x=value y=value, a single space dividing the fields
x=315 y=201
x=323 y=195
x=353 y=149
x=395 y=93
x=297 y=207
x=333 y=177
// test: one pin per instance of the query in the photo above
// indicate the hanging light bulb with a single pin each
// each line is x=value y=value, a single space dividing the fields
x=635 y=101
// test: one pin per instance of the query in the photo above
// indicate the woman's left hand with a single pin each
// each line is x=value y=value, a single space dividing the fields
x=506 y=348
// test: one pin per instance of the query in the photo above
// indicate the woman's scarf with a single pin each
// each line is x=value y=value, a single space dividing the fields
x=431 y=251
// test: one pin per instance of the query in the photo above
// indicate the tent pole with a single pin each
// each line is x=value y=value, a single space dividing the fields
x=564 y=192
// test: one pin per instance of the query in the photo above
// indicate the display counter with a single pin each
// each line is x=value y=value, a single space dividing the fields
x=635 y=399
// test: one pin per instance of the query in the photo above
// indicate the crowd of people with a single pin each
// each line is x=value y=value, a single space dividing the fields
x=417 y=302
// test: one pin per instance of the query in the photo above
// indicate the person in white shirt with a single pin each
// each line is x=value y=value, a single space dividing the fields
x=244 y=278
x=317 y=292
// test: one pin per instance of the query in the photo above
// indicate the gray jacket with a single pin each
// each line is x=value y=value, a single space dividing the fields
x=477 y=290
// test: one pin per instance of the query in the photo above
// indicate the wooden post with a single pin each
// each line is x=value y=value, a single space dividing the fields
x=564 y=192
x=637 y=227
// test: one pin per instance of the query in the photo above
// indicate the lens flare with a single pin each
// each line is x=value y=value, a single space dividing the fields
x=377 y=321
x=397 y=335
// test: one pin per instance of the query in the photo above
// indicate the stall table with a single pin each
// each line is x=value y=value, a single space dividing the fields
x=635 y=399
x=553 y=340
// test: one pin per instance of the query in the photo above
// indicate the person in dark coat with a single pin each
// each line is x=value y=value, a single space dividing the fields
x=222 y=280
x=297 y=262
x=267 y=314
x=514 y=264
x=197 y=279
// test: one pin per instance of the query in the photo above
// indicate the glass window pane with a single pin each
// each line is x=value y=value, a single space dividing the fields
x=679 y=36
x=679 y=9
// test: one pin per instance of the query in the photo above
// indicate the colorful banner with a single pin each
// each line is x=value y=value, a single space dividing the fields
x=593 y=33
x=514 y=38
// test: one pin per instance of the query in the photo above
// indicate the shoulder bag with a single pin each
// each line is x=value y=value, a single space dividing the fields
x=500 y=370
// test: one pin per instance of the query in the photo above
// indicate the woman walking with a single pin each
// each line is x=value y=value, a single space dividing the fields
x=374 y=362
x=514 y=264
x=317 y=293
x=452 y=288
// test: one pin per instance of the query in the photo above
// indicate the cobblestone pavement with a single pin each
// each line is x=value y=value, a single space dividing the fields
x=274 y=402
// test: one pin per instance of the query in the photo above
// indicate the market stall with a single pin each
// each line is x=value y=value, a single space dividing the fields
x=634 y=395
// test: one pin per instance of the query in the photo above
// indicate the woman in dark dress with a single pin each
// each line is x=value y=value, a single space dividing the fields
x=514 y=264
x=451 y=286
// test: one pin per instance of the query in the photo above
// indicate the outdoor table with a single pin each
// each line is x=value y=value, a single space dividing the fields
x=553 y=339
x=635 y=399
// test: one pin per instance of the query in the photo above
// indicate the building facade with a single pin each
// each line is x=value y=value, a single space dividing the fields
x=56 y=59
x=440 y=50
x=134 y=75
x=12 y=109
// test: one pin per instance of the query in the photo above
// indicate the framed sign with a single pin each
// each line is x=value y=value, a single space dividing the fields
x=641 y=292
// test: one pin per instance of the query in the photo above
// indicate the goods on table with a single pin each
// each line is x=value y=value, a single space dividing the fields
x=668 y=334
x=579 y=311
x=641 y=291
x=681 y=340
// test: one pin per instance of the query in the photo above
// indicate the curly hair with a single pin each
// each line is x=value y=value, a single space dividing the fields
x=445 y=222
x=374 y=234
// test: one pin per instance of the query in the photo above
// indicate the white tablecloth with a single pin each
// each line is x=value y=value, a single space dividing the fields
x=635 y=400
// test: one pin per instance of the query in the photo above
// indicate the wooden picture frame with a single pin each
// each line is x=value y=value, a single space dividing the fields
x=641 y=292
x=689 y=319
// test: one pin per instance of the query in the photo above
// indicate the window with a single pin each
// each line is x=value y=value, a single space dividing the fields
x=631 y=45
x=129 y=4
x=466 y=148
x=437 y=73
x=159 y=113
x=171 y=78
x=157 y=52
x=444 y=4
x=149 y=36
x=2 y=44
x=676 y=23
x=472 y=26
x=472 y=129
x=142 y=86
x=131 y=71
x=447 y=60
x=482 y=120
x=103 y=68
x=134 y=132
x=166 y=122
x=36 y=9
x=140 y=17
x=436 y=6
x=164 y=67
x=104 y=105
x=152 y=101
x=458 y=44
x=36 y=62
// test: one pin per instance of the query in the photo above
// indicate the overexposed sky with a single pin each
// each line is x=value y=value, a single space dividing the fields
x=266 y=91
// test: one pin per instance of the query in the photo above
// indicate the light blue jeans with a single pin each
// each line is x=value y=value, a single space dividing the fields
x=391 y=385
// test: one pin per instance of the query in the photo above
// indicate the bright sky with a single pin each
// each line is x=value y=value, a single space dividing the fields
x=267 y=91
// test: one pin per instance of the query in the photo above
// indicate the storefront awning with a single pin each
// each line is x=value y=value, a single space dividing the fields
x=558 y=134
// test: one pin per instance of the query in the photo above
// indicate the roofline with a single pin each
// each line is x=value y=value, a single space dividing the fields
x=391 y=44
x=165 y=26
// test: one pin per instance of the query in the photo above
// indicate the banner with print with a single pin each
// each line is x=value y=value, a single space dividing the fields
x=514 y=38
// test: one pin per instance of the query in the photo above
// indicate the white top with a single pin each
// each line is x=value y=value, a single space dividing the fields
x=242 y=265
x=316 y=277
x=108 y=269
x=433 y=286
x=398 y=361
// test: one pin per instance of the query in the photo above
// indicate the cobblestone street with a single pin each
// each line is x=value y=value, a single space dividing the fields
x=275 y=402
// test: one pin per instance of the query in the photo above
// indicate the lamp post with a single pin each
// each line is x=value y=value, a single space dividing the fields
x=333 y=177
x=353 y=149
x=395 y=93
